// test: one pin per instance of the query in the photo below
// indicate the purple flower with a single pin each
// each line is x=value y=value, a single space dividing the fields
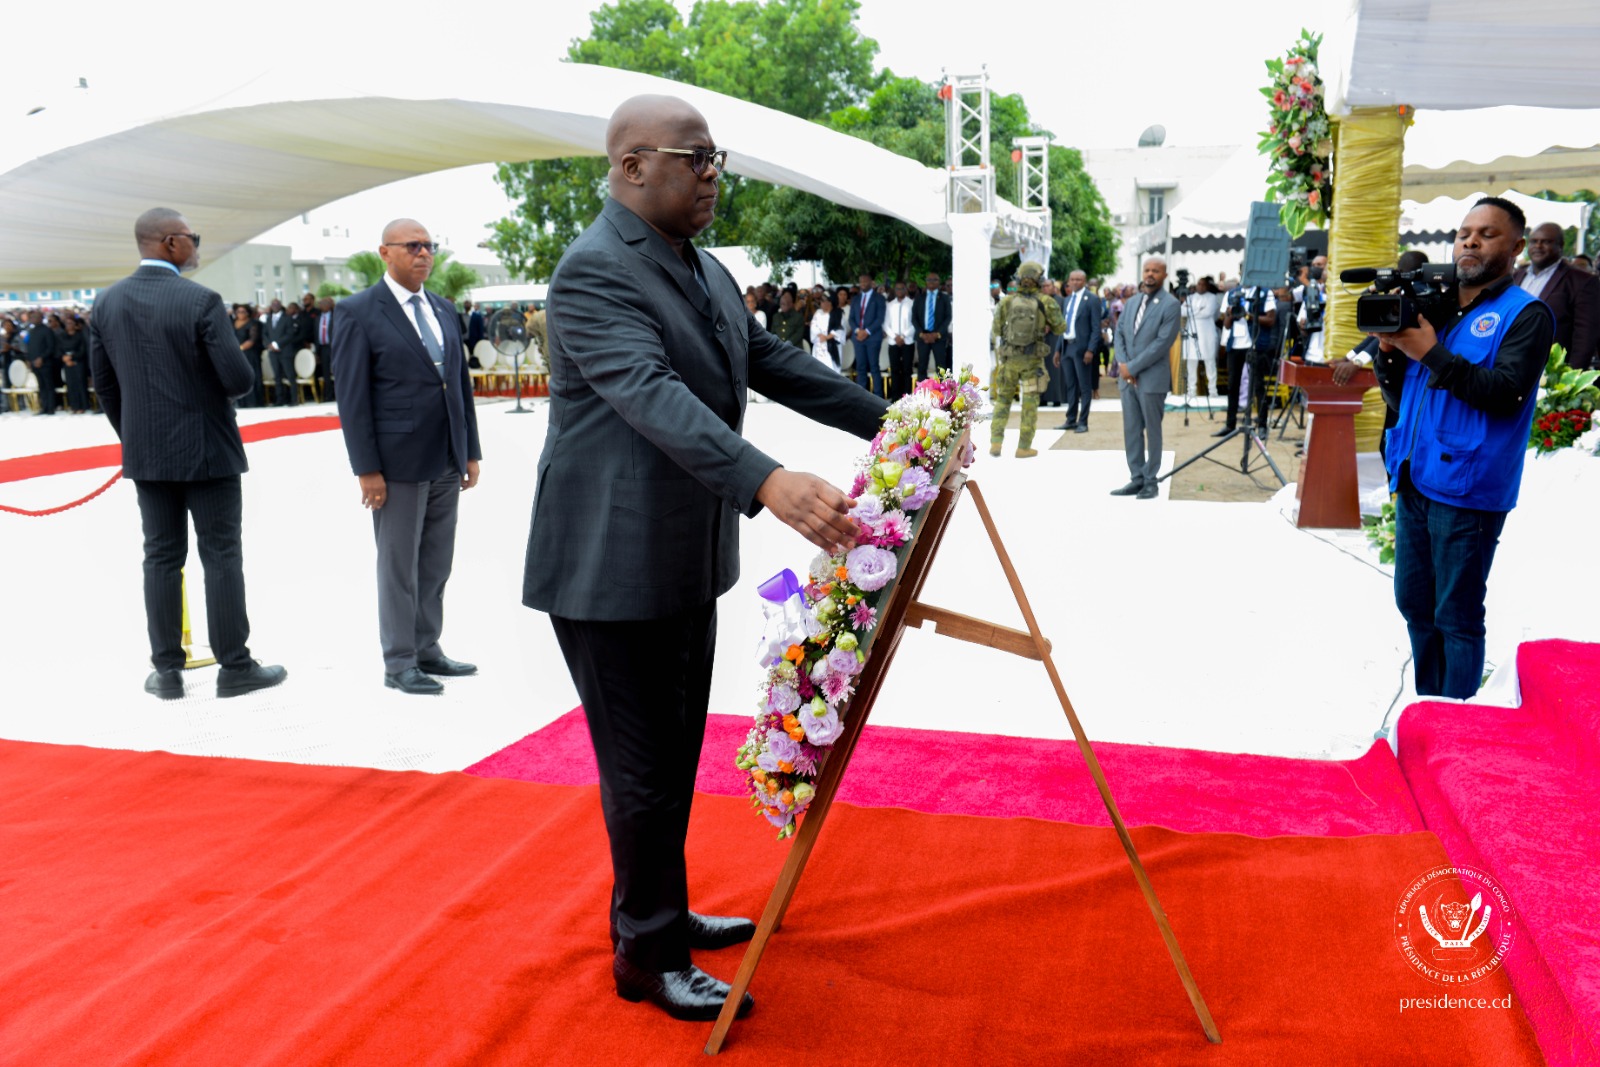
x=823 y=729
x=894 y=529
x=870 y=567
x=868 y=510
x=782 y=699
x=863 y=616
x=916 y=488
x=781 y=748
x=835 y=688
x=807 y=690
x=807 y=763
x=901 y=454
x=780 y=821
x=842 y=663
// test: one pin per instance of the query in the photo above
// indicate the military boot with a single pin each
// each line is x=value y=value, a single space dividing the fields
x=1027 y=453
x=994 y=449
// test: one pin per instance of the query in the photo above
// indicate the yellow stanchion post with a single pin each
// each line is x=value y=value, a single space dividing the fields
x=193 y=655
x=1368 y=156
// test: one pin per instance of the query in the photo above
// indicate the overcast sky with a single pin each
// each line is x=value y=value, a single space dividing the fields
x=1095 y=75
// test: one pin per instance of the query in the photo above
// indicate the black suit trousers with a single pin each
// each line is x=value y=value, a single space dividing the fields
x=49 y=378
x=899 y=371
x=645 y=686
x=217 y=507
x=1080 y=378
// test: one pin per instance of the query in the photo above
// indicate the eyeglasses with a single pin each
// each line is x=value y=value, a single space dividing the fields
x=416 y=248
x=191 y=236
x=698 y=157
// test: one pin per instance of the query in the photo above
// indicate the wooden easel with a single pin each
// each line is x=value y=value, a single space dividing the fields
x=904 y=611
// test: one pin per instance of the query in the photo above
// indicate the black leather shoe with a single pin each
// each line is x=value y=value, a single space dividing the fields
x=1225 y=431
x=412 y=680
x=1130 y=489
x=233 y=683
x=719 y=931
x=1149 y=492
x=690 y=994
x=168 y=685
x=1066 y=426
x=1082 y=427
x=450 y=668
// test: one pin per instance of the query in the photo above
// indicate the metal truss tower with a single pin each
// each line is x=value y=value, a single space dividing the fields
x=966 y=126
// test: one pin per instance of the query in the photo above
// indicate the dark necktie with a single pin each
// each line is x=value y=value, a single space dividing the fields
x=931 y=300
x=430 y=342
x=1139 y=318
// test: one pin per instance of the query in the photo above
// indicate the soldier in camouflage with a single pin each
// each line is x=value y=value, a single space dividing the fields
x=1021 y=324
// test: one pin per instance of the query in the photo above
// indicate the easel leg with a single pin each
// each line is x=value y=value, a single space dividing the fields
x=1139 y=874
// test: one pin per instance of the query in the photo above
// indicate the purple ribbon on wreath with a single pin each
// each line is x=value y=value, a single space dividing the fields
x=780 y=587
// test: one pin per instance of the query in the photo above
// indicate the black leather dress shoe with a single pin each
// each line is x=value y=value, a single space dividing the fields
x=412 y=680
x=1082 y=427
x=450 y=668
x=233 y=683
x=1225 y=431
x=719 y=931
x=1131 y=489
x=689 y=994
x=1149 y=492
x=168 y=685
x=1067 y=426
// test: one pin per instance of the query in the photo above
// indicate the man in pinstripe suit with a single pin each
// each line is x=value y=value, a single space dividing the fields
x=166 y=365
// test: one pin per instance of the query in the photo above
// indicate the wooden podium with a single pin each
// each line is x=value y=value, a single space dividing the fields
x=903 y=610
x=1328 y=493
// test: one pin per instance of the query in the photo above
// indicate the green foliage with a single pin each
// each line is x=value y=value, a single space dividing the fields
x=450 y=279
x=906 y=117
x=1564 y=388
x=803 y=57
x=333 y=289
x=1298 y=140
x=368 y=266
x=1380 y=531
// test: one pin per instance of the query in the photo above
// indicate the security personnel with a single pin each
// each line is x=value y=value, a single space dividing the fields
x=1021 y=324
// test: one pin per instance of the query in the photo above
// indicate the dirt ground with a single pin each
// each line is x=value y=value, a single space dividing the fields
x=1204 y=480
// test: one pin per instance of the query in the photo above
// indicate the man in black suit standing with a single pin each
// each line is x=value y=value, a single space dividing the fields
x=635 y=530
x=322 y=339
x=405 y=406
x=930 y=316
x=1573 y=295
x=42 y=357
x=166 y=365
x=475 y=330
x=1079 y=358
x=279 y=331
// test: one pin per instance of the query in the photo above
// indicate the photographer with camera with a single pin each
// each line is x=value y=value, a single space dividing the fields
x=1311 y=296
x=1463 y=378
x=1249 y=315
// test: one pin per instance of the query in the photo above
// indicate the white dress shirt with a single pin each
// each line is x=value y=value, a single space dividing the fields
x=1239 y=337
x=897 y=323
x=404 y=295
x=1534 y=281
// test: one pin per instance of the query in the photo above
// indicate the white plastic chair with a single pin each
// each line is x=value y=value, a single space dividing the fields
x=305 y=368
x=23 y=385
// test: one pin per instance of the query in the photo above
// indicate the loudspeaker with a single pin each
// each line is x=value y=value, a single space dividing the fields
x=1266 y=248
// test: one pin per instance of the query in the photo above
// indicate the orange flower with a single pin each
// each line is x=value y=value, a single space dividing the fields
x=851 y=600
x=797 y=734
x=841 y=573
x=922 y=433
x=790 y=722
x=787 y=798
x=785 y=766
x=772 y=787
x=758 y=774
x=795 y=654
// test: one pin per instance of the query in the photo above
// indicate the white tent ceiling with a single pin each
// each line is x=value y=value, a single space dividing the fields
x=240 y=163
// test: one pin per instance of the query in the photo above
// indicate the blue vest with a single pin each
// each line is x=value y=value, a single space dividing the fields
x=1459 y=455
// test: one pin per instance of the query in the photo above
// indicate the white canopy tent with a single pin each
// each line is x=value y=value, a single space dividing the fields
x=241 y=162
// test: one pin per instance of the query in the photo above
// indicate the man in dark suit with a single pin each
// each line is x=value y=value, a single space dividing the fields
x=279 y=333
x=475 y=328
x=1572 y=294
x=930 y=316
x=1079 y=357
x=46 y=364
x=635 y=531
x=405 y=406
x=1145 y=332
x=322 y=339
x=867 y=310
x=166 y=363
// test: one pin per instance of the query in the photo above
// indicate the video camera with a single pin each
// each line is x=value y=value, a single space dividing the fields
x=1180 y=288
x=1403 y=298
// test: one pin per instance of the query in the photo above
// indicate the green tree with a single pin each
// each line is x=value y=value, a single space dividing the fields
x=368 y=266
x=907 y=117
x=333 y=289
x=802 y=57
x=451 y=279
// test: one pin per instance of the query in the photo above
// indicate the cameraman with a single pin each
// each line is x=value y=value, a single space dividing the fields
x=1312 y=298
x=1465 y=395
x=1248 y=313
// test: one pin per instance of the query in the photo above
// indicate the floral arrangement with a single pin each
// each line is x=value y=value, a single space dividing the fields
x=818 y=631
x=1299 y=141
x=1559 y=429
x=1380 y=531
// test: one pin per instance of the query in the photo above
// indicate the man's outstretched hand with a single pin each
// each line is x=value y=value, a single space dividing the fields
x=810 y=505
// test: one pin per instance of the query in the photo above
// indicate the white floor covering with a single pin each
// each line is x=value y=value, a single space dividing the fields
x=1195 y=624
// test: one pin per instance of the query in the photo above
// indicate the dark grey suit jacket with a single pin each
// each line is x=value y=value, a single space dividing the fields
x=1147 y=352
x=165 y=364
x=644 y=474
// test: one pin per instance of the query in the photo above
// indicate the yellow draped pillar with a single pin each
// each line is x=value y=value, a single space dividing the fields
x=1368 y=147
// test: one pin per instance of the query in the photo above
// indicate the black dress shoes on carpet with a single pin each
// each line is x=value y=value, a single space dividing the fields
x=1225 y=431
x=1131 y=489
x=690 y=994
x=1149 y=492
x=719 y=931
x=449 y=668
x=412 y=680
x=234 y=683
x=1082 y=427
x=168 y=685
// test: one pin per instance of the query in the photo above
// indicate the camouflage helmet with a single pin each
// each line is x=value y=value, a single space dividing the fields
x=1030 y=271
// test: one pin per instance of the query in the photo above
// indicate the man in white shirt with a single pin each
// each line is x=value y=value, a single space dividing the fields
x=1246 y=311
x=902 y=336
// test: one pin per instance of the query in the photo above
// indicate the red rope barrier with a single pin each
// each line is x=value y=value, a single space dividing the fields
x=63 y=507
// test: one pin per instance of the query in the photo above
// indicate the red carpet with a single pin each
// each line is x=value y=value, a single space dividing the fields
x=1512 y=792
x=94 y=457
x=176 y=910
x=986 y=774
